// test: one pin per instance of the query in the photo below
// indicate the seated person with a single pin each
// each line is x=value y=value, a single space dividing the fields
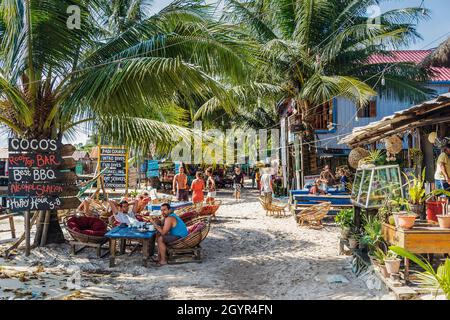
x=343 y=180
x=140 y=204
x=122 y=213
x=315 y=189
x=172 y=230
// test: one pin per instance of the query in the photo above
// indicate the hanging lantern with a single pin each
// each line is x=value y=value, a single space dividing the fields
x=356 y=155
x=393 y=146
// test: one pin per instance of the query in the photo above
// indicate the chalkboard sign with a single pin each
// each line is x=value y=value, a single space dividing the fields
x=114 y=159
x=35 y=178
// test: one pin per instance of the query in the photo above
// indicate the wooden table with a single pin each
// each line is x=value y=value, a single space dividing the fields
x=122 y=234
x=421 y=239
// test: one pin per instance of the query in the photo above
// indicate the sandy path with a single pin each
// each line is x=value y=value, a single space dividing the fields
x=246 y=256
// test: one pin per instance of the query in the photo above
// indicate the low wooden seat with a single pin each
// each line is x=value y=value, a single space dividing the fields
x=188 y=249
x=314 y=214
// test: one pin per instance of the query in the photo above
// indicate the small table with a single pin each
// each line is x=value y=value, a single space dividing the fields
x=421 y=239
x=122 y=234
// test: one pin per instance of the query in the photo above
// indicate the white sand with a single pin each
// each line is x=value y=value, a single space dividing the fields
x=246 y=256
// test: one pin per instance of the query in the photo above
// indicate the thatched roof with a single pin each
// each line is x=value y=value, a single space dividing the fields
x=441 y=56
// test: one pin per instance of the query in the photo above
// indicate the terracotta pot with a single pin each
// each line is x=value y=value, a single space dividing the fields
x=353 y=243
x=392 y=266
x=444 y=221
x=406 y=221
x=383 y=271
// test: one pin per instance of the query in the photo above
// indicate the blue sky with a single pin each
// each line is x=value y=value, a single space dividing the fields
x=432 y=31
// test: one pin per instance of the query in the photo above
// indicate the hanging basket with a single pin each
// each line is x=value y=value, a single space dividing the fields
x=356 y=155
x=393 y=145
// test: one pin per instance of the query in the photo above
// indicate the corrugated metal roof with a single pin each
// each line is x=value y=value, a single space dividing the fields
x=414 y=56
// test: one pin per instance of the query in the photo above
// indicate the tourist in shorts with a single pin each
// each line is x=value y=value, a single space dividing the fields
x=180 y=185
x=238 y=183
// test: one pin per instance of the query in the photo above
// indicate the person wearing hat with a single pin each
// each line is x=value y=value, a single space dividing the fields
x=442 y=175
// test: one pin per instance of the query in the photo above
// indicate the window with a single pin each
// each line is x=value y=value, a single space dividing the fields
x=324 y=116
x=369 y=110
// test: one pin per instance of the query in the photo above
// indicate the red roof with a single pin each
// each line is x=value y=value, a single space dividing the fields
x=415 y=56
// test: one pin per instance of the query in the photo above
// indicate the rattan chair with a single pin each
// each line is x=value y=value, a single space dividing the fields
x=188 y=249
x=273 y=207
x=314 y=214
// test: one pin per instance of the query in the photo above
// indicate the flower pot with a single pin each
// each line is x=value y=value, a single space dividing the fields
x=434 y=208
x=419 y=210
x=406 y=221
x=353 y=243
x=345 y=233
x=392 y=266
x=444 y=221
x=383 y=271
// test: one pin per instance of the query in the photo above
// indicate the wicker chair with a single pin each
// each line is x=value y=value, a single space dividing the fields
x=314 y=214
x=84 y=240
x=273 y=207
x=188 y=249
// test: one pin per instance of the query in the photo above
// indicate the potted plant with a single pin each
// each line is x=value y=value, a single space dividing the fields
x=375 y=157
x=438 y=280
x=344 y=219
x=444 y=218
x=416 y=191
x=380 y=256
x=372 y=232
x=392 y=262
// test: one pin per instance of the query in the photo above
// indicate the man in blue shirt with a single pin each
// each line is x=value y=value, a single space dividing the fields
x=172 y=230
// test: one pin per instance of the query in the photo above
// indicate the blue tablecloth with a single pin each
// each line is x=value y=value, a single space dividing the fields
x=129 y=233
x=173 y=205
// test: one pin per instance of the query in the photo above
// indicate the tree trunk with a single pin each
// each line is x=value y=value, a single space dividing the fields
x=309 y=146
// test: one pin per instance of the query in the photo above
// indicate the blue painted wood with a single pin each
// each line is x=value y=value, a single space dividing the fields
x=129 y=233
x=173 y=206
x=346 y=111
x=311 y=199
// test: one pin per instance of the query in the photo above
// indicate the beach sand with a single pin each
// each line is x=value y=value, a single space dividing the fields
x=247 y=255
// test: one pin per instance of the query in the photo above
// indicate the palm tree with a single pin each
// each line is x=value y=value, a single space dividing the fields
x=315 y=50
x=123 y=72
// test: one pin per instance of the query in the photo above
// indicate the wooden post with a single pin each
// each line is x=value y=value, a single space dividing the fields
x=45 y=228
x=11 y=225
x=27 y=233
x=39 y=225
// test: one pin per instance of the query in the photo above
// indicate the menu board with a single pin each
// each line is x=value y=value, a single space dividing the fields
x=114 y=160
x=34 y=181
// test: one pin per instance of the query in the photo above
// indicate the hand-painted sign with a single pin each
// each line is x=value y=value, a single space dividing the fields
x=114 y=159
x=39 y=175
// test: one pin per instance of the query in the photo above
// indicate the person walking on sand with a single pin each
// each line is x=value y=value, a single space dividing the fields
x=238 y=183
x=267 y=185
x=210 y=186
x=258 y=180
x=197 y=187
x=180 y=185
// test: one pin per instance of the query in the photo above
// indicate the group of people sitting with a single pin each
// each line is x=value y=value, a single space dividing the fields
x=169 y=229
x=328 y=179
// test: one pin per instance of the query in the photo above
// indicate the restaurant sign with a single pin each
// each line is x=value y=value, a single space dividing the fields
x=39 y=175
